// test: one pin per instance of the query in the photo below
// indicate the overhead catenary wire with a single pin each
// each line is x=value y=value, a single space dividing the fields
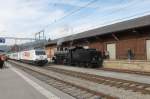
x=71 y=13
x=101 y=24
x=125 y=18
x=113 y=12
x=17 y=38
x=118 y=20
x=74 y=11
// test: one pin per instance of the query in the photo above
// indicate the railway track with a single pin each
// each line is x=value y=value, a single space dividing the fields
x=73 y=90
x=143 y=88
x=126 y=71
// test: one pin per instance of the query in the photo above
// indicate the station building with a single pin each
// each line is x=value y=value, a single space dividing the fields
x=116 y=38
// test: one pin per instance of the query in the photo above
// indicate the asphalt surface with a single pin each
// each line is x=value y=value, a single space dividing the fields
x=16 y=84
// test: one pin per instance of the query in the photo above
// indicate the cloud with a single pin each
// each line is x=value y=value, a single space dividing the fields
x=22 y=18
x=106 y=13
x=66 y=30
x=60 y=31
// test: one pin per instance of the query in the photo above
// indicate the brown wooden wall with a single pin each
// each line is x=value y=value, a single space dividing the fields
x=98 y=45
x=136 y=43
x=138 y=47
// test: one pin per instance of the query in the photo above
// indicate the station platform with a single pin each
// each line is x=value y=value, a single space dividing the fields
x=16 y=84
x=136 y=65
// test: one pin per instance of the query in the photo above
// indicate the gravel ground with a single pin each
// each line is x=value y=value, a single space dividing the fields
x=125 y=76
x=118 y=92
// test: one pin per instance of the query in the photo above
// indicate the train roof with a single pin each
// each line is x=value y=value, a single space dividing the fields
x=116 y=27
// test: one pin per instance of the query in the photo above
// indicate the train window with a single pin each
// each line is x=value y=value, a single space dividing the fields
x=40 y=53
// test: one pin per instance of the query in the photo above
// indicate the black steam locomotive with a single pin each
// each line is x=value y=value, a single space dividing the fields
x=79 y=56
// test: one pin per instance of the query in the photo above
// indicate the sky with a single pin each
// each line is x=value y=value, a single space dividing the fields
x=24 y=18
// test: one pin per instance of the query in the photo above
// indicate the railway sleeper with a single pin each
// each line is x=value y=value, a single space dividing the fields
x=106 y=82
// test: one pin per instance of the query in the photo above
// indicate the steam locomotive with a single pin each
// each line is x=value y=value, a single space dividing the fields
x=79 y=56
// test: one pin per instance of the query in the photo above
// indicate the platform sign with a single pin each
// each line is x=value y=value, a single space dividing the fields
x=2 y=40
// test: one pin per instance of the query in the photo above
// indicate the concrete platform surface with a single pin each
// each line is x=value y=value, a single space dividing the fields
x=16 y=84
x=118 y=75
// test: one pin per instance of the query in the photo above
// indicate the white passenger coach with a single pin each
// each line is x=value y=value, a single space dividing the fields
x=34 y=56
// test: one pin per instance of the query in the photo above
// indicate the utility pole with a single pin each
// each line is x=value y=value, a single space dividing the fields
x=40 y=35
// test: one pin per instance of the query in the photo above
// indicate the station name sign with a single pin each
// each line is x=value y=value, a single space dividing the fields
x=2 y=40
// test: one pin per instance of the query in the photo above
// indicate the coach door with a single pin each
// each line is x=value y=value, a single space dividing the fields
x=111 y=48
x=148 y=49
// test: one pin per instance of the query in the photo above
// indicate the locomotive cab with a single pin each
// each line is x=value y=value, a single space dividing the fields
x=85 y=57
x=40 y=57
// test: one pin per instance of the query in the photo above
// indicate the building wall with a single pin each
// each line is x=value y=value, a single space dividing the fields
x=50 y=50
x=98 y=45
x=136 y=43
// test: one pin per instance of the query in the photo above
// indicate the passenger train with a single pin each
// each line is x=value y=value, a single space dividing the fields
x=34 y=56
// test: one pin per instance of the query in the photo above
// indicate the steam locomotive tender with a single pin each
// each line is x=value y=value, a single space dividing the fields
x=79 y=56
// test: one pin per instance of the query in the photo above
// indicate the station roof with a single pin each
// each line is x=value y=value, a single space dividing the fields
x=116 y=27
